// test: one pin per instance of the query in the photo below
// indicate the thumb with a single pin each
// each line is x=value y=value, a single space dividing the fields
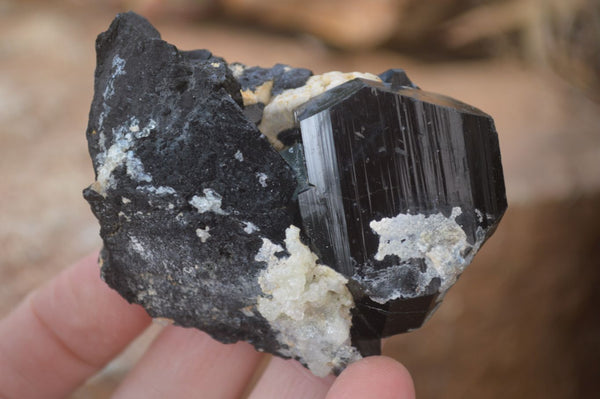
x=373 y=377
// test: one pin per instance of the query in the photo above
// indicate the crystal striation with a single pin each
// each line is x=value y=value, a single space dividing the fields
x=406 y=186
x=310 y=215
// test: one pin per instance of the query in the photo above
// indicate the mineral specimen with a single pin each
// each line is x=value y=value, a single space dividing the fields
x=308 y=215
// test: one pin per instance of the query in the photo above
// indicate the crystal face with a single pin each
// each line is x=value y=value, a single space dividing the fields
x=310 y=215
x=376 y=150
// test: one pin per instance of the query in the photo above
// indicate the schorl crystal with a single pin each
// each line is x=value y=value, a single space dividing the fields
x=308 y=215
x=406 y=186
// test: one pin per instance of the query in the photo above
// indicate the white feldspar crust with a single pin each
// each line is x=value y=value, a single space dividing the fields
x=262 y=179
x=160 y=190
x=209 y=202
x=250 y=227
x=121 y=152
x=124 y=137
x=118 y=69
x=278 y=114
x=437 y=239
x=203 y=234
x=237 y=69
x=307 y=304
x=136 y=245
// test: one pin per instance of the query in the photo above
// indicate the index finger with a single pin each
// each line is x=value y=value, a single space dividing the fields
x=64 y=332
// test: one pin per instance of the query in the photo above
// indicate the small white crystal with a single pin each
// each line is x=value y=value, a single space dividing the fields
x=250 y=227
x=262 y=179
x=210 y=202
x=203 y=234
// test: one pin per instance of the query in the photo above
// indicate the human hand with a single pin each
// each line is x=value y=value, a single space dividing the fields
x=67 y=330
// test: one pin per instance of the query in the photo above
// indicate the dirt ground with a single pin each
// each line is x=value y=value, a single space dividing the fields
x=523 y=319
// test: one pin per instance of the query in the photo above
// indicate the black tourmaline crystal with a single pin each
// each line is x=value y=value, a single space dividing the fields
x=376 y=150
x=377 y=197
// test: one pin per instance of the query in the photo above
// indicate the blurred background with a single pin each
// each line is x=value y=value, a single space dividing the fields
x=523 y=321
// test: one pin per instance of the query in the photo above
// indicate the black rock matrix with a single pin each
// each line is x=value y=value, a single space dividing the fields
x=308 y=215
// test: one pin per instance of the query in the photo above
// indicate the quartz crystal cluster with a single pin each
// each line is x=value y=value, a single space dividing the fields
x=310 y=215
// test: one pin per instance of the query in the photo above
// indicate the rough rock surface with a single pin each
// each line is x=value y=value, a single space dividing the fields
x=174 y=201
x=205 y=223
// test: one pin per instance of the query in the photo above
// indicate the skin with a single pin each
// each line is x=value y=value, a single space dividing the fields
x=67 y=330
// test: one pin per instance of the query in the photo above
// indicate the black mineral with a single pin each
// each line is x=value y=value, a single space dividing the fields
x=164 y=130
x=381 y=196
x=380 y=157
